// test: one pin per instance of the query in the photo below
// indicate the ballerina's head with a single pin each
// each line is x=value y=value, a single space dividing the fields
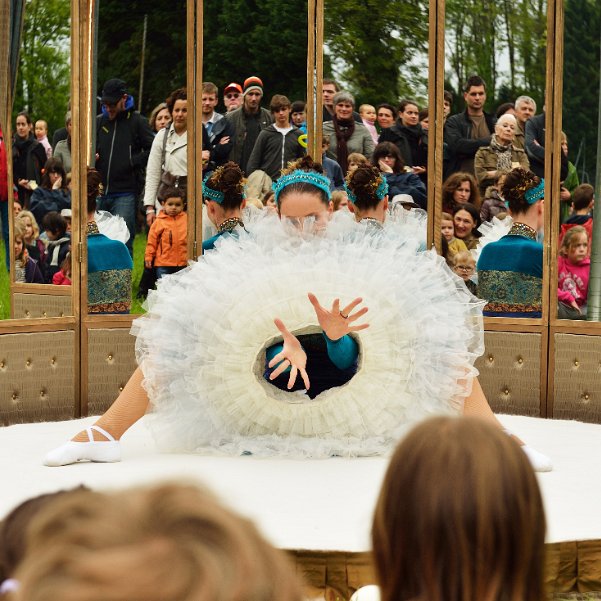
x=524 y=194
x=223 y=193
x=303 y=191
x=367 y=191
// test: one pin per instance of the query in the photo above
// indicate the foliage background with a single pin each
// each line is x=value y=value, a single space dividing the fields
x=44 y=72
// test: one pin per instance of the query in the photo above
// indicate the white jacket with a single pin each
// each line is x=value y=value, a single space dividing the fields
x=176 y=161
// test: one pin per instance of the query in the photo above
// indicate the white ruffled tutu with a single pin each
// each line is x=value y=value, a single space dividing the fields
x=492 y=231
x=202 y=343
x=112 y=226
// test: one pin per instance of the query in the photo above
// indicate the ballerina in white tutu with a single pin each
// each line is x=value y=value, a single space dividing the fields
x=219 y=376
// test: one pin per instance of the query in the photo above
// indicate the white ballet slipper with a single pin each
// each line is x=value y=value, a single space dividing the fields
x=539 y=461
x=100 y=451
x=370 y=592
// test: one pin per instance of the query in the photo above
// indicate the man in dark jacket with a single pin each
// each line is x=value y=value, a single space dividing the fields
x=465 y=132
x=248 y=121
x=534 y=139
x=277 y=144
x=220 y=131
x=123 y=141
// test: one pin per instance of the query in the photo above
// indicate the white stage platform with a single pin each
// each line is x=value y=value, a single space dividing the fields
x=320 y=505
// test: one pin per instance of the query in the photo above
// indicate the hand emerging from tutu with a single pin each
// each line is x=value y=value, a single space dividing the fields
x=291 y=356
x=337 y=322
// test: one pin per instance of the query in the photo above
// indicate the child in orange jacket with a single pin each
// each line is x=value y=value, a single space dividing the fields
x=167 y=245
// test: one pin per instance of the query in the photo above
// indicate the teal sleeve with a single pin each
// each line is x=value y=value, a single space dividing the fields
x=270 y=353
x=342 y=352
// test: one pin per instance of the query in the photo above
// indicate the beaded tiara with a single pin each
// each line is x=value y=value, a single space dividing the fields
x=211 y=194
x=536 y=193
x=305 y=177
x=380 y=191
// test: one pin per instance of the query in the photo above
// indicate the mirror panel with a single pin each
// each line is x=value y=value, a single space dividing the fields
x=140 y=58
x=387 y=74
x=494 y=93
x=580 y=139
x=276 y=71
x=39 y=153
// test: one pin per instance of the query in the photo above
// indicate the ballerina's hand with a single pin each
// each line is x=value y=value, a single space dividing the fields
x=337 y=322
x=292 y=355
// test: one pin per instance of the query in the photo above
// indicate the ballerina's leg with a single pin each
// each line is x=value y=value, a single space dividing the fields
x=128 y=408
x=476 y=405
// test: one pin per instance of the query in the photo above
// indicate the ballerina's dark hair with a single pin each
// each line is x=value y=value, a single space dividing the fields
x=364 y=184
x=517 y=183
x=307 y=164
x=229 y=180
x=94 y=189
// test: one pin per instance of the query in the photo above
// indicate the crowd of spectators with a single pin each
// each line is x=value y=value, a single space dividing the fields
x=142 y=159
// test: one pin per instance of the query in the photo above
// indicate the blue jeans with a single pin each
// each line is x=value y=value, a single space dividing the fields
x=4 y=219
x=123 y=205
x=161 y=271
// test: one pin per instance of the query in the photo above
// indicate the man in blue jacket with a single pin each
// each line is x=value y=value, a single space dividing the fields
x=123 y=141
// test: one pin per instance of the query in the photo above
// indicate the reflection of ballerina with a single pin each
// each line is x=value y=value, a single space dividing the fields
x=510 y=270
x=204 y=369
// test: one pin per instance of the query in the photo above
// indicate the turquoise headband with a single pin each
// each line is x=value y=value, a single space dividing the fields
x=302 y=177
x=536 y=193
x=381 y=191
x=210 y=193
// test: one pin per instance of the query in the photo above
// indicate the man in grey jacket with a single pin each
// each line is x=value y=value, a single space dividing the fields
x=248 y=122
x=277 y=144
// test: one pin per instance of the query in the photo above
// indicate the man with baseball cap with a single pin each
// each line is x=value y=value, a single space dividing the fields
x=248 y=121
x=232 y=97
x=123 y=141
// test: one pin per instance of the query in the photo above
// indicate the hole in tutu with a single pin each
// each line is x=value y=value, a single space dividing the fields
x=323 y=374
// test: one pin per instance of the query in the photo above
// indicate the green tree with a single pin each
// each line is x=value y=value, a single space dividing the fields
x=478 y=32
x=373 y=44
x=43 y=78
x=581 y=82
x=267 y=39
x=120 y=33
x=473 y=43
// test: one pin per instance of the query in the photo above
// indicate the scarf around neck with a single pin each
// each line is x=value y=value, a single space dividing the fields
x=503 y=153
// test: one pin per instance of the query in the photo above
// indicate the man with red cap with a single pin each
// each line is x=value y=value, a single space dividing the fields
x=248 y=121
x=232 y=96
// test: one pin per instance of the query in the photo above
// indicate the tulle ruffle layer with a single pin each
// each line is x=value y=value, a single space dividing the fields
x=202 y=344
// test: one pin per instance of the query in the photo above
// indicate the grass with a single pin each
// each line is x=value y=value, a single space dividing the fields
x=139 y=247
x=136 y=305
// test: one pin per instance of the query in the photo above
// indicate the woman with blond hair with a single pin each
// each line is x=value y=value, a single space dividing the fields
x=170 y=541
x=459 y=518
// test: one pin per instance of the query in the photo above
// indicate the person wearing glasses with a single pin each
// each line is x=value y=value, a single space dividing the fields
x=123 y=142
x=232 y=97
x=278 y=144
x=464 y=265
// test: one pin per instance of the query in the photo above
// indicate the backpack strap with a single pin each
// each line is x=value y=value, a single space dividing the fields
x=163 y=151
